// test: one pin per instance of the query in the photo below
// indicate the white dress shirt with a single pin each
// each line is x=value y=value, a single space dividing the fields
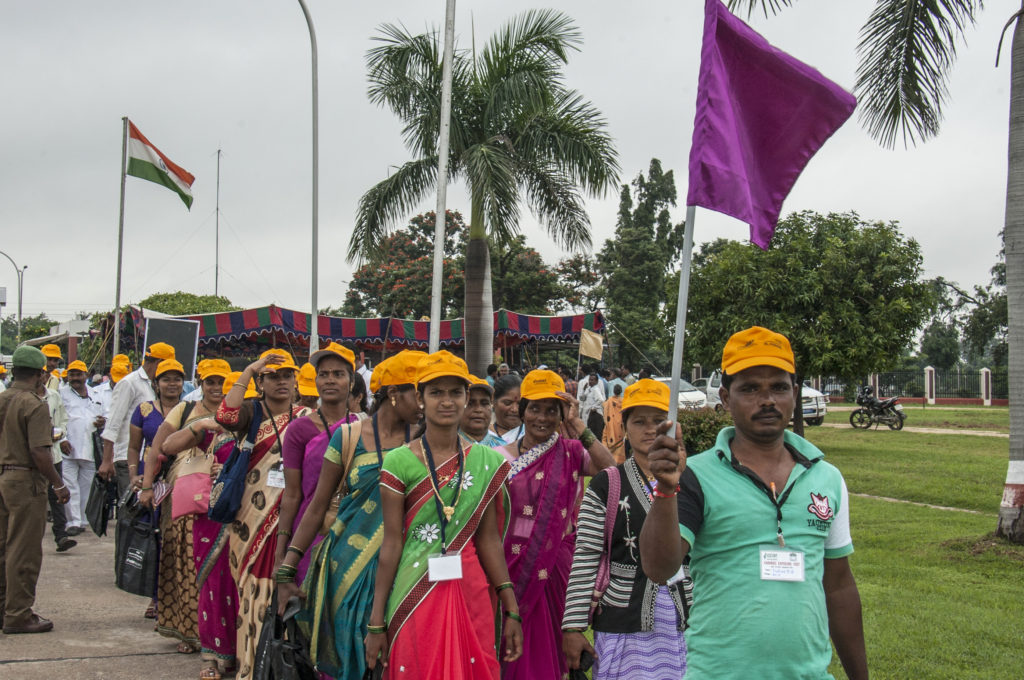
x=59 y=416
x=82 y=413
x=103 y=393
x=194 y=395
x=129 y=392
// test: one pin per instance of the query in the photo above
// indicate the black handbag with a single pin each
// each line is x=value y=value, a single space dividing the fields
x=100 y=506
x=282 y=652
x=227 y=491
x=137 y=554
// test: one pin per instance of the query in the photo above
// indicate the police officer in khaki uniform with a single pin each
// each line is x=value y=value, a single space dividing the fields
x=26 y=470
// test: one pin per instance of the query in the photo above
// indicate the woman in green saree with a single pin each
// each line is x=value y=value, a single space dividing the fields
x=339 y=582
x=442 y=565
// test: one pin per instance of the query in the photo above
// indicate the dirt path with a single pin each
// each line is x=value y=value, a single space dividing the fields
x=929 y=430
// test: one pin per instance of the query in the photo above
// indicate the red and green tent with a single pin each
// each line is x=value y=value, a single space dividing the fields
x=249 y=331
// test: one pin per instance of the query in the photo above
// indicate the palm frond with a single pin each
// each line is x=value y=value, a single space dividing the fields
x=492 y=178
x=547 y=33
x=403 y=69
x=906 y=50
x=388 y=202
x=572 y=136
x=555 y=201
x=767 y=6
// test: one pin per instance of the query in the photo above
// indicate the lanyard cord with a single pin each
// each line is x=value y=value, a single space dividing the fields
x=444 y=512
x=273 y=421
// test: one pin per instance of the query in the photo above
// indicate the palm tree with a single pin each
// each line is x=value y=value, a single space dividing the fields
x=906 y=50
x=516 y=132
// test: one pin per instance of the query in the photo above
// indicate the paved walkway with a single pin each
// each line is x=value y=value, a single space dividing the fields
x=98 y=630
x=929 y=430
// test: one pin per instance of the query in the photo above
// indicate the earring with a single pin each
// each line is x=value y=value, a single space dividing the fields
x=421 y=407
x=393 y=402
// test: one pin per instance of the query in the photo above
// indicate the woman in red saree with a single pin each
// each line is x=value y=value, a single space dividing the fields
x=252 y=537
x=442 y=566
x=545 y=486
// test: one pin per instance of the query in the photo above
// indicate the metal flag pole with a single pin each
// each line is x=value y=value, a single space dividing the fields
x=440 y=215
x=314 y=326
x=216 y=231
x=120 y=239
x=681 y=302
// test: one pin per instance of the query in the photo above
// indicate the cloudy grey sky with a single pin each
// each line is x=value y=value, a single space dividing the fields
x=198 y=75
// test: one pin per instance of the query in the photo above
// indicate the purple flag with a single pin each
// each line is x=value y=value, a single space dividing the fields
x=761 y=115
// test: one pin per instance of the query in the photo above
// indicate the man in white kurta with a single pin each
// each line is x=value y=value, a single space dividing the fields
x=85 y=414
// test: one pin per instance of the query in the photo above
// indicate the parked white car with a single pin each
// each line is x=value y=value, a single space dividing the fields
x=815 y=404
x=689 y=396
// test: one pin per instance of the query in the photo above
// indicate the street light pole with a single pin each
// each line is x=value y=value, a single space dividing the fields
x=314 y=329
x=21 y=279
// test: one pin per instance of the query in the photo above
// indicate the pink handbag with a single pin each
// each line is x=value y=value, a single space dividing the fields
x=191 y=492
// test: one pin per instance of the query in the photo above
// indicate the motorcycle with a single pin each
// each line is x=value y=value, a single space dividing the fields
x=875 y=411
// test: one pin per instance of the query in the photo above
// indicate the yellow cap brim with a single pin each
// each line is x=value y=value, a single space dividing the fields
x=443 y=373
x=750 y=362
x=663 y=406
x=307 y=391
x=545 y=395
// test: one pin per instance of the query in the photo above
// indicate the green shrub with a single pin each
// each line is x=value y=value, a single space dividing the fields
x=701 y=426
x=913 y=388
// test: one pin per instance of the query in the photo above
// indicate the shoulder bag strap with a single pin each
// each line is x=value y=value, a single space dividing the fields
x=610 y=513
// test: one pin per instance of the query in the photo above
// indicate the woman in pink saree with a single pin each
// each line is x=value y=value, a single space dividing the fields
x=545 y=487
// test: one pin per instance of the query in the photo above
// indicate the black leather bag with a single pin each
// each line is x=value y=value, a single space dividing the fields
x=282 y=652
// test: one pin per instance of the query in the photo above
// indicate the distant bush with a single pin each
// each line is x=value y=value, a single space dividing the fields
x=701 y=426
x=913 y=388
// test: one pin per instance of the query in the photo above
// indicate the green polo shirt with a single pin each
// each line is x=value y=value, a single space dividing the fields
x=740 y=625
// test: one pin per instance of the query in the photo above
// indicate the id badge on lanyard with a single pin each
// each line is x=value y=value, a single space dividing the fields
x=781 y=564
x=275 y=476
x=443 y=566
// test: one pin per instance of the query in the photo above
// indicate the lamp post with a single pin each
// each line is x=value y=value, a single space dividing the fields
x=21 y=279
x=314 y=330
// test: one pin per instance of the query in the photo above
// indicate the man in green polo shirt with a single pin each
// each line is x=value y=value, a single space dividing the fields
x=765 y=522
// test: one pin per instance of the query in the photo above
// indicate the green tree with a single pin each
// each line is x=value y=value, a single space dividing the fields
x=986 y=324
x=636 y=262
x=180 y=303
x=395 y=280
x=582 y=284
x=31 y=327
x=847 y=294
x=940 y=345
x=517 y=132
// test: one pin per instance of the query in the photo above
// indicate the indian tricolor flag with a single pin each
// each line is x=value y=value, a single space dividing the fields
x=146 y=161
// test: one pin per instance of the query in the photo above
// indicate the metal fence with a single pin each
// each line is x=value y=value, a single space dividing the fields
x=951 y=384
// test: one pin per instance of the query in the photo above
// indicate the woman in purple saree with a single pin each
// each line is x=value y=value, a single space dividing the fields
x=545 y=487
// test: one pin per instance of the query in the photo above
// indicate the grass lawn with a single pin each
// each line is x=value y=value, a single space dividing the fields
x=941 y=599
x=960 y=471
x=995 y=418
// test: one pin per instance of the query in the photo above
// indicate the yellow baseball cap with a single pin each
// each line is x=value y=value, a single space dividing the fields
x=401 y=369
x=119 y=370
x=757 y=346
x=646 y=392
x=168 y=365
x=77 y=365
x=232 y=378
x=334 y=349
x=209 y=368
x=64 y=373
x=160 y=350
x=378 y=370
x=479 y=383
x=441 y=364
x=288 y=363
x=541 y=384
x=51 y=351
x=307 y=380
x=119 y=358
x=3 y=369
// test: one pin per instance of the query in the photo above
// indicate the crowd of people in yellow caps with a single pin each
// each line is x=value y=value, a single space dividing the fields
x=417 y=521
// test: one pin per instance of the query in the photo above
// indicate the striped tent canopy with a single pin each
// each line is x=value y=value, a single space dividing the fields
x=250 y=331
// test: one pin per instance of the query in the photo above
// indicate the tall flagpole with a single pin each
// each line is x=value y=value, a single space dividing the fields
x=120 y=239
x=314 y=327
x=216 y=231
x=681 y=302
x=440 y=214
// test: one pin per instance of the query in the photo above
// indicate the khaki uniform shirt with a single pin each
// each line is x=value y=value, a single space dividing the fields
x=24 y=425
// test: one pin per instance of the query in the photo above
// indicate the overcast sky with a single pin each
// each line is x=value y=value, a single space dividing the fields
x=198 y=75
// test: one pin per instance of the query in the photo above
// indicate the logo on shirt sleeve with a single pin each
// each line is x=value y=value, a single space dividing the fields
x=820 y=508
